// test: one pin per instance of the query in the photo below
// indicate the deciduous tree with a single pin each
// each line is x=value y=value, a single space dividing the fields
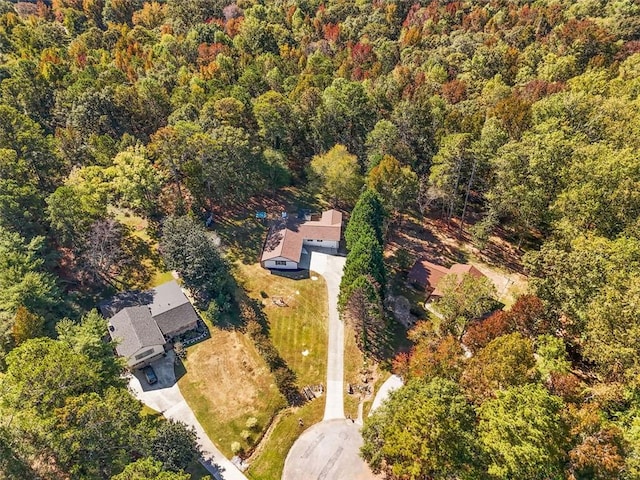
x=337 y=174
x=523 y=434
x=424 y=430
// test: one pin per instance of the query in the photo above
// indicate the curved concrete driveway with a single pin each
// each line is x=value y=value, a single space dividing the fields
x=165 y=397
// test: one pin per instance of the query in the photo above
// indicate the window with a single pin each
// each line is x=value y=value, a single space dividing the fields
x=281 y=262
x=146 y=353
x=318 y=241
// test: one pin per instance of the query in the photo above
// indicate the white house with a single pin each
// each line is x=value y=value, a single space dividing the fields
x=286 y=240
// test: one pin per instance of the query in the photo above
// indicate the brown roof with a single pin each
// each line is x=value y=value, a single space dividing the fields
x=285 y=239
x=429 y=274
x=282 y=242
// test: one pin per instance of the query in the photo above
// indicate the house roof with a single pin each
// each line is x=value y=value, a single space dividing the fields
x=134 y=328
x=460 y=270
x=166 y=297
x=171 y=309
x=429 y=274
x=283 y=242
x=166 y=304
x=285 y=239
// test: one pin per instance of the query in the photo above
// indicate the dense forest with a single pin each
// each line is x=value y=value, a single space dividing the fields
x=518 y=116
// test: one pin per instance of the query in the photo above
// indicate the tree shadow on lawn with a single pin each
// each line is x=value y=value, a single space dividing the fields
x=243 y=235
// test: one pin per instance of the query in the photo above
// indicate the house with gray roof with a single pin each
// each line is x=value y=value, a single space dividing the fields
x=137 y=336
x=143 y=323
x=172 y=310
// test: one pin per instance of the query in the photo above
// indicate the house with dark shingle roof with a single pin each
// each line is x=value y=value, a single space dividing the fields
x=138 y=337
x=143 y=323
x=286 y=240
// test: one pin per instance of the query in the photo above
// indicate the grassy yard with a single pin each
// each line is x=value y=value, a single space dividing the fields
x=226 y=382
x=157 y=271
x=299 y=330
x=353 y=365
x=268 y=465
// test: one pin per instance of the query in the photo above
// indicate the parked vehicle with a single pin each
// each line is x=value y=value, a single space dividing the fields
x=150 y=375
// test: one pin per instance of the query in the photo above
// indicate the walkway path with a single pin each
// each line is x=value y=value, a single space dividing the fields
x=331 y=268
x=165 y=397
x=392 y=383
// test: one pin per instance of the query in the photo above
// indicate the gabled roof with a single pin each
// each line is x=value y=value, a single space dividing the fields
x=430 y=274
x=171 y=309
x=166 y=304
x=286 y=238
x=133 y=328
x=283 y=242
x=427 y=274
x=460 y=270
x=166 y=297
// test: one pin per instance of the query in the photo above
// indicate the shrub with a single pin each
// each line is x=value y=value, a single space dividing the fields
x=236 y=448
x=252 y=422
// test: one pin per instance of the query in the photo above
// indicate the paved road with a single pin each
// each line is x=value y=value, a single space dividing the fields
x=329 y=450
x=165 y=397
x=331 y=268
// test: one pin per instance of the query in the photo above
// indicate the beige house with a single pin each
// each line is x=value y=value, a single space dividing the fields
x=285 y=242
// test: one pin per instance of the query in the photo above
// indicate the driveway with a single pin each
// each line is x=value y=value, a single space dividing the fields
x=165 y=397
x=331 y=268
x=328 y=451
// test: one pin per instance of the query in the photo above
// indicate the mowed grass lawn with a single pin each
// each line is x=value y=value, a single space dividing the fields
x=226 y=381
x=300 y=330
x=300 y=333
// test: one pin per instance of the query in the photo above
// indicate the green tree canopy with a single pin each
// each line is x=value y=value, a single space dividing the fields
x=523 y=434
x=396 y=185
x=424 y=430
x=337 y=174
x=187 y=248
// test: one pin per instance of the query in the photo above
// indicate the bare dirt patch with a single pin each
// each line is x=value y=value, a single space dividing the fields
x=437 y=241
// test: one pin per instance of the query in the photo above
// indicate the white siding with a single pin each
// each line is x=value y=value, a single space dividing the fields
x=322 y=243
x=289 y=265
x=145 y=354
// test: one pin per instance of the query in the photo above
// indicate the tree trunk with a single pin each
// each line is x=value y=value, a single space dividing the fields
x=466 y=196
